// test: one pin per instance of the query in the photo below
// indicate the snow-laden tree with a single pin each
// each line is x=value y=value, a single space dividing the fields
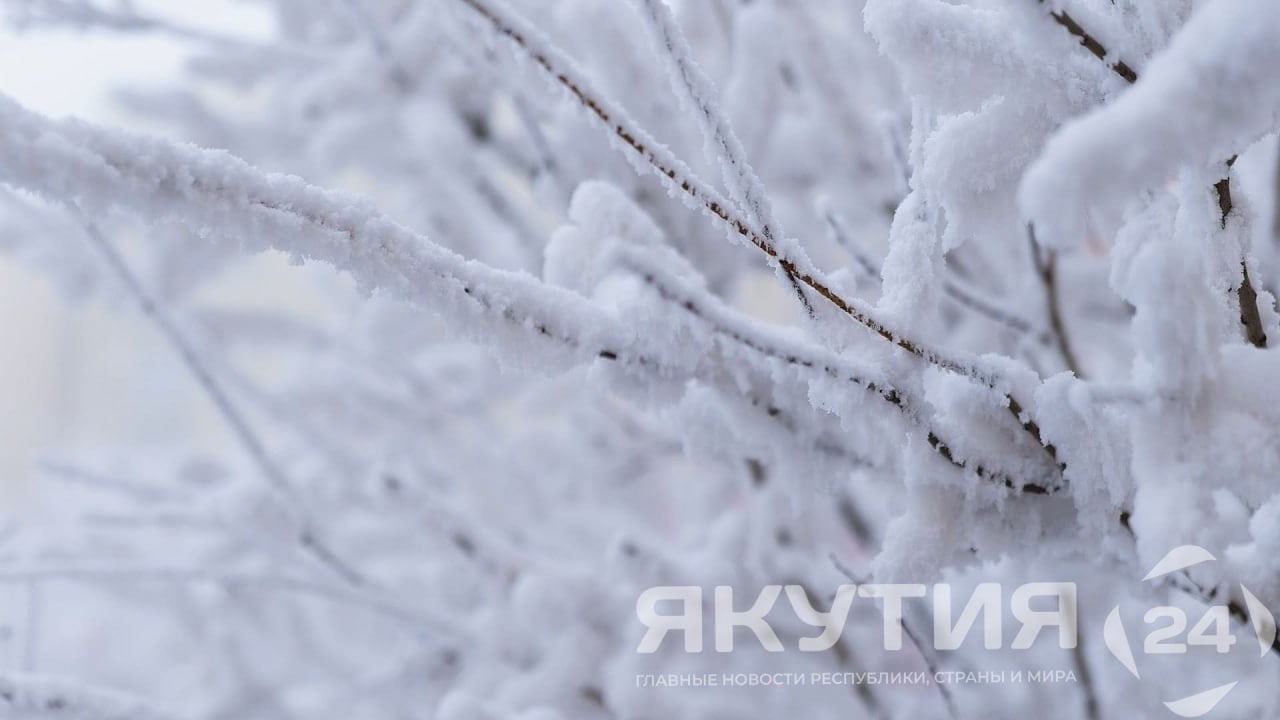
x=625 y=295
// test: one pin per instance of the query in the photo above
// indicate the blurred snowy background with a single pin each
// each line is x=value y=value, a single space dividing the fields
x=72 y=373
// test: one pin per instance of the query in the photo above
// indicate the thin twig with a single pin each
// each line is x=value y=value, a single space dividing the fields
x=236 y=421
x=1046 y=262
x=957 y=290
x=381 y=42
x=845 y=658
x=741 y=182
x=870 y=268
x=1085 y=676
x=1246 y=296
x=137 y=491
x=337 y=594
x=930 y=660
x=740 y=179
x=1182 y=582
x=1091 y=44
x=967 y=296
x=546 y=157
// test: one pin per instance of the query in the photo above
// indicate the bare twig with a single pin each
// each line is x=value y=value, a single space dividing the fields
x=967 y=296
x=957 y=290
x=546 y=157
x=1085 y=676
x=930 y=660
x=1046 y=262
x=136 y=491
x=1182 y=582
x=869 y=267
x=1247 y=297
x=845 y=658
x=825 y=446
x=1091 y=44
x=381 y=42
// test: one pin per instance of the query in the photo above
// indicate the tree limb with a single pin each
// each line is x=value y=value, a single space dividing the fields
x=1046 y=262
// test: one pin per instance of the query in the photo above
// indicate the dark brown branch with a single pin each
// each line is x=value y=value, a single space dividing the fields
x=1091 y=44
x=1046 y=262
x=1249 y=315
x=632 y=139
x=1085 y=675
x=1246 y=296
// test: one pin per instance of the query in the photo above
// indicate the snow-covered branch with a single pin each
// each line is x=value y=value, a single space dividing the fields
x=787 y=258
x=443 y=468
x=226 y=199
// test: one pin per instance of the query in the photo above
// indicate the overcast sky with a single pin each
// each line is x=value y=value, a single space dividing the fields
x=72 y=72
